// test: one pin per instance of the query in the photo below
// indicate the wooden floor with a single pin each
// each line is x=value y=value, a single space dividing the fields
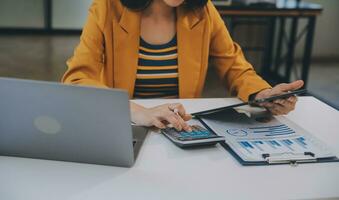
x=35 y=57
x=44 y=58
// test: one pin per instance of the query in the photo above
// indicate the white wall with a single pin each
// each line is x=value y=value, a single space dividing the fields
x=70 y=14
x=21 y=13
x=326 y=42
x=67 y=14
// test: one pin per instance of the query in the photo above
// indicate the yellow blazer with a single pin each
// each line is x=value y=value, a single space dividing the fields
x=107 y=55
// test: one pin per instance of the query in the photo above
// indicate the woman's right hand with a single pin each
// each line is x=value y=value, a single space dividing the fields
x=161 y=116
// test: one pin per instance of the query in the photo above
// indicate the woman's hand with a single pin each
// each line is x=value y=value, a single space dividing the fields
x=160 y=116
x=280 y=106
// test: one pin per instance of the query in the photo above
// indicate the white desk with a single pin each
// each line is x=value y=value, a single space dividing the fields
x=163 y=171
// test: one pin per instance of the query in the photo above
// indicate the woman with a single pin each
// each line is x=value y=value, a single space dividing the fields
x=161 y=49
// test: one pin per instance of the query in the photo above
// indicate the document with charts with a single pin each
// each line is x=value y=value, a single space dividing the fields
x=256 y=139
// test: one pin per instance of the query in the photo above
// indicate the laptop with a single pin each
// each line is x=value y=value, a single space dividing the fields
x=53 y=121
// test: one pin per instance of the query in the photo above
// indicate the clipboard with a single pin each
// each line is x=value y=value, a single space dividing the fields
x=293 y=162
x=269 y=158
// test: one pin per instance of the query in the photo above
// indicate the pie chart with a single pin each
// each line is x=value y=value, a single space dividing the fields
x=237 y=132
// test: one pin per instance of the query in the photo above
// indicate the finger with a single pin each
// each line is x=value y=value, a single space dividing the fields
x=289 y=106
x=165 y=122
x=158 y=124
x=267 y=105
x=287 y=109
x=187 y=117
x=172 y=119
x=180 y=108
x=281 y=102
x=274 y=111
x=285 y=87
x=183 y=124
x=174 y=106
x=181 y=116
x=279 y=109
x=293 y=99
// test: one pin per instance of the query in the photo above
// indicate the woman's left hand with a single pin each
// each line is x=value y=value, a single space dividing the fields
x=280 y=106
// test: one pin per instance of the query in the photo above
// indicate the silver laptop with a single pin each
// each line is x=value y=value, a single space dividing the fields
x=67 y=123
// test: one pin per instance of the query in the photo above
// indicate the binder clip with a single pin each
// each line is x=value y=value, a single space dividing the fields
x=289 y=158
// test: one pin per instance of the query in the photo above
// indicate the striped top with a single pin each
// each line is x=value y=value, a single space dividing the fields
x=157 y=74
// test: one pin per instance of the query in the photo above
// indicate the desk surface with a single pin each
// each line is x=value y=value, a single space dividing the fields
x=164 y=171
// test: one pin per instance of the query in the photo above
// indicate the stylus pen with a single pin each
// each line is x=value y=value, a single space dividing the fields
x=176 y=111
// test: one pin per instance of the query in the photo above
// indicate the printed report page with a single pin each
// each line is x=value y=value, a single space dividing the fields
x=252 y=137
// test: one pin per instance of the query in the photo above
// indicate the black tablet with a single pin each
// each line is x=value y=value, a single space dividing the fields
x=253 y=103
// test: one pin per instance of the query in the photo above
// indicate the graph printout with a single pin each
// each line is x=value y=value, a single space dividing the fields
x=251 y=138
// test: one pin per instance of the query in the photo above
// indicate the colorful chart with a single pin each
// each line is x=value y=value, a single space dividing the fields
x=281 y=129
x=291 y=145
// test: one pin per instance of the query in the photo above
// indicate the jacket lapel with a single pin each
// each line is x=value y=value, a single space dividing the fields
x=190 y=31
x=126 y=47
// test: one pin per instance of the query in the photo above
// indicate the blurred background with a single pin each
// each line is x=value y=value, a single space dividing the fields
x=284 y=40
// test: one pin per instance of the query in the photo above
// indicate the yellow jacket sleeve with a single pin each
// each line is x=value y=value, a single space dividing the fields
x=229 y=61
x=87 y=63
